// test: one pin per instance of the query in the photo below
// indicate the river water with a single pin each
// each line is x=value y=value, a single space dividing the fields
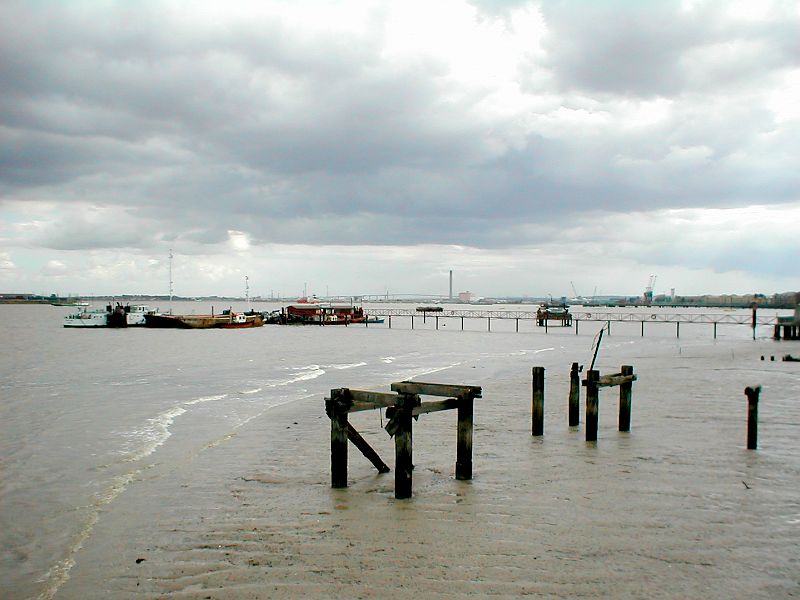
x=84 y=414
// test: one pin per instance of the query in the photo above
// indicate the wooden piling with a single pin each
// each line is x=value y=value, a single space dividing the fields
x=537 y=401
x=678 y=329
x=752 y=393
x=574 y=395
x=642 y=328
x=592 y=404
x=464 y=439
x=339 y=424
x=625 y=396
x=576 y=326
x=403 y=465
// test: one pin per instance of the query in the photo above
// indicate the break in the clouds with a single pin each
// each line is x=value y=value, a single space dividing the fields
x=612 y=139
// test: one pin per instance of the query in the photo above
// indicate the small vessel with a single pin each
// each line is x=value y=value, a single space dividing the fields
x=87 y=318
x=553 y=312
x=227 y=320
x=429 y=309
x=134 y=315
x=371 y=320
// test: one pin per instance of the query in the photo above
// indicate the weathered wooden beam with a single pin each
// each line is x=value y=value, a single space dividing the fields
x=615 y=379
x=379 y=399
x=437 y=389
x=428 y=407
x=366 y=449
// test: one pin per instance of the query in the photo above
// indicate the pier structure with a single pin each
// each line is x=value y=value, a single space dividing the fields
x=790 y=326
x=644 y=318
x=402 y=406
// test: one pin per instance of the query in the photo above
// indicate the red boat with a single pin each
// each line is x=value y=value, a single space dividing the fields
x=323 y=313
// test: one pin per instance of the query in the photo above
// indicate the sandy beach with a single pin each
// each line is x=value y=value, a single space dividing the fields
x=677 y=508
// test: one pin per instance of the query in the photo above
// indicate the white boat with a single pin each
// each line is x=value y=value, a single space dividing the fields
x=87 y=318
x=135 y=314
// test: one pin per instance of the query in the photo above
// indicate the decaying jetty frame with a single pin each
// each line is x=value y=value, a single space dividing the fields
x=401 y=407
x=593 y=382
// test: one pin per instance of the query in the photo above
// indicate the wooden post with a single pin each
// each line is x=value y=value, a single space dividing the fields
x=390 y=321
x=402 y=449
x=576 y=326
x=517 y=325
x=537 y=401
x=642 y=328
x=437 y=322
x=545 y=324
x=489 y=323
x=678 y=329
x=574 y=395
x=752 y=393
x=625 y=396
x=462 y=323
x=464 y=439
x=338 y=416
x=412 y=321
x=715 y=330
x=592 y=402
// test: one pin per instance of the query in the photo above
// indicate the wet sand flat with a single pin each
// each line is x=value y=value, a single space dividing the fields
x=677 y=508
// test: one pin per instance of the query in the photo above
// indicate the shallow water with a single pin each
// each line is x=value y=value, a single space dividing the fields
x=96 y=424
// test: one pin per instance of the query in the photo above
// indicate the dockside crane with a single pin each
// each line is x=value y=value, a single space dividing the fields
x=648 y=292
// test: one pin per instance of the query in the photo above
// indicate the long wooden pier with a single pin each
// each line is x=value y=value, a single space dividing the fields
x=587 y=315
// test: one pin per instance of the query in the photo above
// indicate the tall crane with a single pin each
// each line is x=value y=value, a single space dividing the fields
x=648 y=291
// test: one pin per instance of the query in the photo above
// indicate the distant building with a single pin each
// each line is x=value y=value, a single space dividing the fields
x=465 y=297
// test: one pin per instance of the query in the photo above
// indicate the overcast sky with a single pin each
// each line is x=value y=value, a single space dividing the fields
x=358 y=147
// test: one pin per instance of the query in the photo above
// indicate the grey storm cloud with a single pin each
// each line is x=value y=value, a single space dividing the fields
x=294 y=137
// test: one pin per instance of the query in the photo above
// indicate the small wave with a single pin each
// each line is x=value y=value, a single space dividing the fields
x=346 y=366
x=544 y=350
x=388 y=359
x=253 y=391
x=205 y=399
x=155 y=433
